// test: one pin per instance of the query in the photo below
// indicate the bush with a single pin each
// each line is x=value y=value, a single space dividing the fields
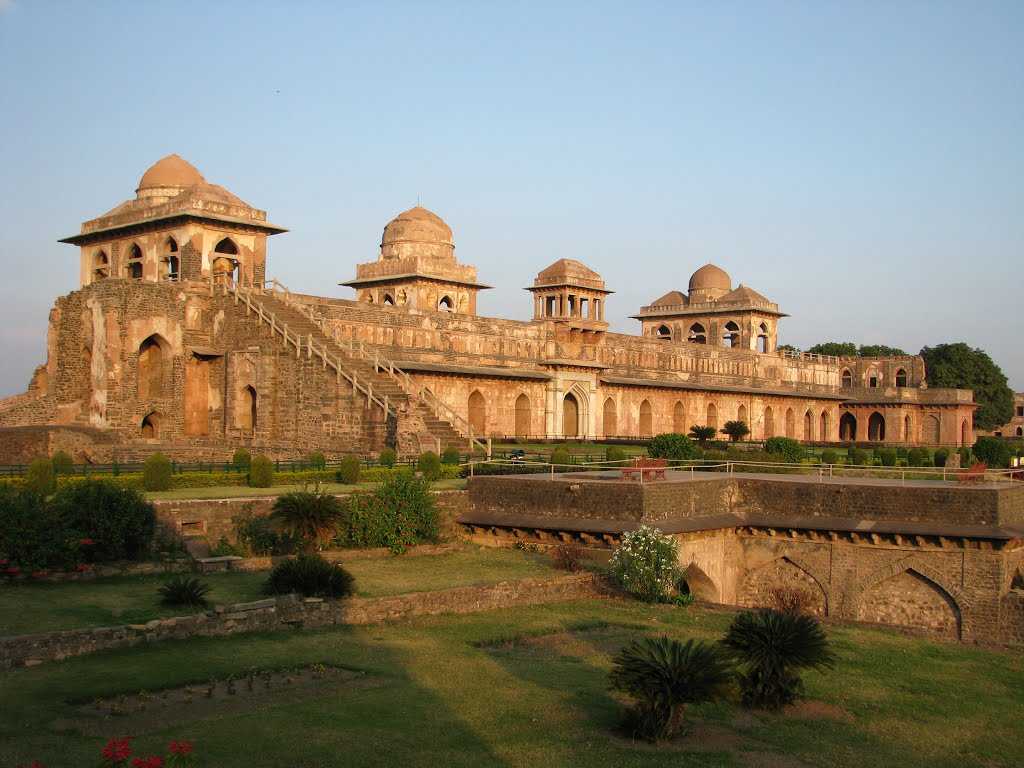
x=261 y=472
x=644 y=564
x=702 y=434
x=772 y=647
x=857 y=456
x=185 y=590
x=567 y=556
x=348 y=470
x=156 y=473
x=965 y=456
x=736 y=430
x=663 y=675
x=400 y=513
x=615 y=453
x=316 y=460
x=33 y=536
x=310 y=576
x=992 y=450
x=39 y=477
x=789 y=449
x=901 y=453
x=311 y=518
x=429 y=465
x=451 y=455
x=791 y=600
x=888 y=457
x=119 y=521
x=258 y=536
x=560 y=456
x=672 y=446
x=917 y=457
x=941 y=456
x=387 y=457
x=242 y=459
x=829 y=456
x=63 y=464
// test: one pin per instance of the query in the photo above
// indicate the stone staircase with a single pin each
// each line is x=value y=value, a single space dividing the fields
x=376 y=378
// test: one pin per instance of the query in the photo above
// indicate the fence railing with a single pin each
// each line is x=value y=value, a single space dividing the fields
x=181 y=468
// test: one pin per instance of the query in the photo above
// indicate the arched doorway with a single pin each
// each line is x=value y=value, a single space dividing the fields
x=808 y=427
x=712 y=416
x=762 y=338
x=664 y=332
x=741 y=414
x=876 y=427
x=477 y=413
x=965 y=432
x=151 y=426
x=570 y=416
x=731 y=336
x=901 y=378
x=522 y=416
x=790 y=423
x=697 y=334
x=246 y=413
x=151 y=368
x=646 y=419
x=848 y=428
x=769 y=422
x=135 y=262
x=446 y=304
x=679 y=418
x=611 y=426
x=931 y=433
x=100 y=266
x=823 y=434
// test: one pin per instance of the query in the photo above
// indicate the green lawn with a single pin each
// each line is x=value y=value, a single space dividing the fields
x=525 y=687
x=241 y=491
x=28 y=607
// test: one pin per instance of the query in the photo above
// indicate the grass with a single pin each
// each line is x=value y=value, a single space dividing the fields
x=27 y=607
x=243 y=491
x=528 y=687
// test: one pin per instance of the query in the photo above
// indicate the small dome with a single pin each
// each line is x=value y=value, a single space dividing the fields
x=710 y=277
x=672 y=298
x=171 y=171
x=567 y=268
x=417 y=225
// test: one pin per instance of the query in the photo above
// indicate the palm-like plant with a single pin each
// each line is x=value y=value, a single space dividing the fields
x=702 y=434
x=772 y=648
x=310 y=517
x=663 y=676
x=736 y=430
x=184 y=590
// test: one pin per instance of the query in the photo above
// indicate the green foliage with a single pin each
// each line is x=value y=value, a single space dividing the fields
x=994 y=451
x=316 y=460
x=888 y=457
x=184 y=590
x=736 y=430
x=857 y=456
x=567 y=556
x=399 y=513
x=348 y=470
x=259 y=536
x=772 y=648
x=560 y=456
x=451 y=455
x=309 y=517
x=835 y=348
x=261 y=472
x=224 y=548
x=644 y=564
x=310 y=576
x=242 y=458
x=941 y=456
x=33 y=536
x=156 y=473
x=387 y=457
x=787 y=348
x=119 y=521
x=879 y=350
x=39 y=478
x=917 y=457
x=663 y=675
x=429 y=465
x=789 y=449
x=957 y=365
x=615 y=453
x=702 y=434
x=966 y=459
x=672 y=446
x=829 y=456
x=63 y=464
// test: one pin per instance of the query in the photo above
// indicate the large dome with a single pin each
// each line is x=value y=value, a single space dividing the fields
x=417 y=232
x=171 y=171
x=710 y=278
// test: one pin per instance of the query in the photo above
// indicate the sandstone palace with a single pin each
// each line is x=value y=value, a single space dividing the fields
x=178 y=340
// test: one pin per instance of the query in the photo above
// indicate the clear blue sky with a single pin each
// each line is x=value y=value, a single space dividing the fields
x=860 y=163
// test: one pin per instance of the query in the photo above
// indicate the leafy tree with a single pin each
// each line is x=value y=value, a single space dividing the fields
x=387 y=457
x=118 y=522
x=670 y=445
x=835 y=348
x=242 y=458
x=40 y=478
x=993 y=451
x=429 y=464
x=310 y=517
x=348 y=470
x=702 y=434
x=772 y=647
x=959 y=366
x=787 y=348
x=261 y=472
x=736 y=430
x=63 y=464
x=787 y=447
x=879 y=350
x=663 y=676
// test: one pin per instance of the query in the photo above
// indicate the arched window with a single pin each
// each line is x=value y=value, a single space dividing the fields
x=477 y=413
x=769 y=422
x=151 y=426
x=522 y=416
x=611 y=427
x=570 y=416
x=808 y=426
x=931 y=434
x=762 y=338
x=135 y=262
x=848 y=428
x=697 y=334
x=731 y=337
x=664 y=332
x=171 y=258
x=445 y=304
x=873 y=378
x=847 y=379
x=790 y=423
x=247 y=411
x=100 y=266
x=227 y=245
x=901 y=378
x=963 y=433
x=389 y=300
x=150 y=373
x=679 y=418
x=908 y=430
x=876 y=427
x=712 y=414
x=823 y=434
x=646 y=419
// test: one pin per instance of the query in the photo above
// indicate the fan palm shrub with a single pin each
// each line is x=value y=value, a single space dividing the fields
x=703 y=433
x=662 y=676
x=310 y=576
x=182 y=589
x=772 y=648
x=311 y=517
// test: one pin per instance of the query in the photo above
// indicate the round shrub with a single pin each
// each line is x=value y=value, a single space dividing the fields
x=63 y=464
x=941 y=456
x=156 y=473
x=451 y=455
x=242 y=458
x=429 y=465
x=789 y=449
x=33 y=535
x=828 y=456
x=387 y=457
x=644 y=564
x=857 y=456
x=39 y=477
x=399 y=513
x=560 y=457
x=348 y=470
x=316 y=460
x=117 y=522
x=965 y=456
x=672 y=445
x=310 y=576
x=614 y=453
x=994 y=451
x=261 y=472
x=888 y=457
x=916 y=457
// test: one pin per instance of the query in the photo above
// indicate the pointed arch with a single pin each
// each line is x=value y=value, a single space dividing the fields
x=731 y=335
x=153 y=357
x=712 y=414
x=741 y=414
x=522 y=418
x=823 y=429
x=911 y=598
x=790 y=423
x=570 y=415
x=477 y=406
x=446 y=304
x=848 y=428
x=758 y=587
x=135 y=262
x=389 y=300
x=876 y=427
x=226 y=245
x=931 y=433
x=664 y=332
x=762 y=338
x=697 y=334
x=679 y=418
x=697 y=583
x=808 y=426
x=646 y=419
x=247 y=410
x=100 y=265
x=901 y=377
x=150 y=426
x=610 y=418
x=769 y=422
x=847 y=377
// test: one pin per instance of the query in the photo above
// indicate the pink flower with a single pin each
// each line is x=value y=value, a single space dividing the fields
x=180 y=747
x=148 y=762
x=13 y=570
x=83 y=567
x=117 y=750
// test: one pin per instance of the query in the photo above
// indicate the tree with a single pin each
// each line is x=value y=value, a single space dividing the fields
x=835 y=348
x=787 y=348
x=880 y=350
x=670 y=445
x=960 y=367
x=702 y=434
x=736 y=430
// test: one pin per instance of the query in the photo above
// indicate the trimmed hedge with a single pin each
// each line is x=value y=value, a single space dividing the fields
x=787 y=447
x=39 y=477
x=261 y=472
x=156 y=473
x=348 y=470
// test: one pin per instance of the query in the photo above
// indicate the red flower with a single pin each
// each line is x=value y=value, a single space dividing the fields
x=13 y=570
x=83 y=567
x=148 y=762
x=117 y=750
x=180 y=747
x=35 y=764
x=87 y=542
x=4 y=561
x=38 y=574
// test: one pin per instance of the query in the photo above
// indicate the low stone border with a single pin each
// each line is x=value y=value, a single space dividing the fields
x=293 y=612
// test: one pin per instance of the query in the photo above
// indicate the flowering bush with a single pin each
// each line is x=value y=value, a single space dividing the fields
x=645 y=563
x=116 y=753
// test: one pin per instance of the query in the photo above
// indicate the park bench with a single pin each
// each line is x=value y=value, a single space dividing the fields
x=645 y=469
x=973 y=475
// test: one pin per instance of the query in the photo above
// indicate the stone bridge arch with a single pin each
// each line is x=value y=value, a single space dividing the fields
x=910 y=593
x=701 y=586
x=785 y=571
